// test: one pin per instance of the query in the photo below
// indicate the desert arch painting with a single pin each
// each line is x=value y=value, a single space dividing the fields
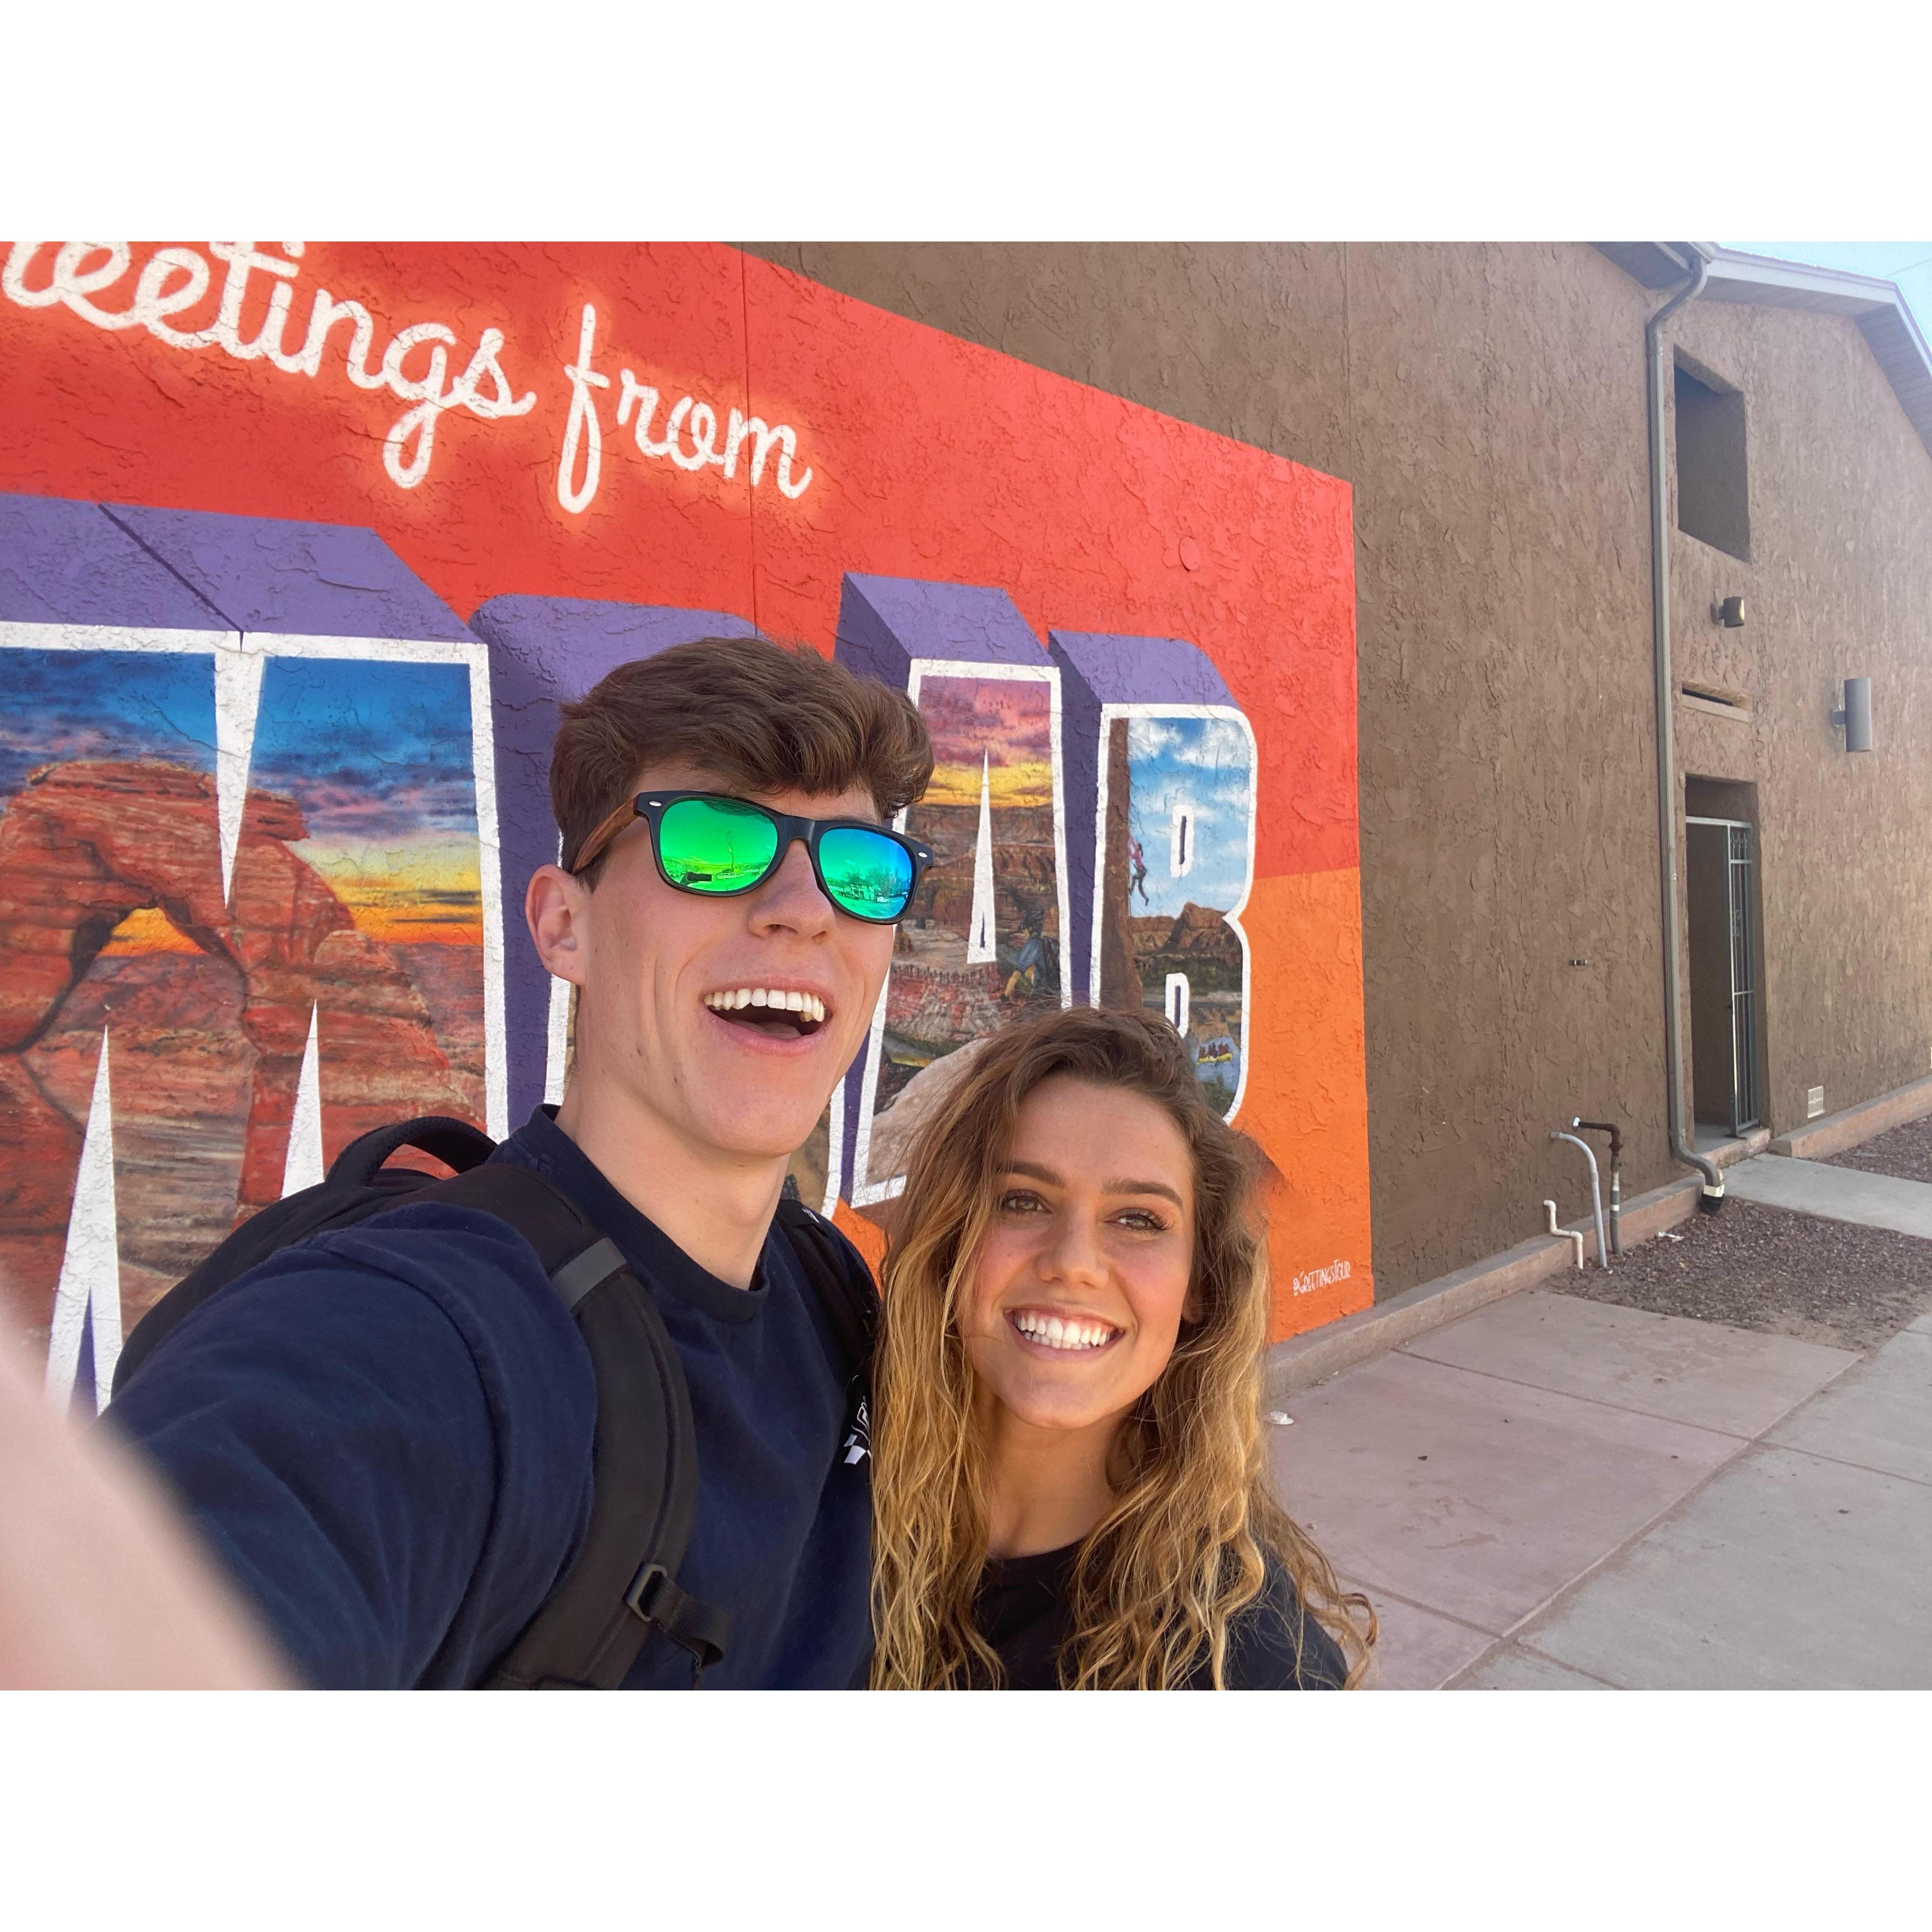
x=242 y=911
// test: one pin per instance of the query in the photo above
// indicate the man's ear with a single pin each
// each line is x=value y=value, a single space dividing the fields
x=556 y=909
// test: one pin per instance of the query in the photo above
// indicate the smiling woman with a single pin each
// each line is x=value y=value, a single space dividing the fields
x=1070 y=1489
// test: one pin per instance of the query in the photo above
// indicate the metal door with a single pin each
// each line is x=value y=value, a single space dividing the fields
x=1740 y=899
x=1744 y=986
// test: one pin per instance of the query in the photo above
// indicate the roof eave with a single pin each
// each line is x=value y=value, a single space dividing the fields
x=1877 y=307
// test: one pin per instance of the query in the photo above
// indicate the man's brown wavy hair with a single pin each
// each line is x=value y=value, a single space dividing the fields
x=751 y=714
x=1184 y=1548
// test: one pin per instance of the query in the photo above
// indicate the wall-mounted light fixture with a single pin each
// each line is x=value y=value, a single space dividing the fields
x=1730 y=614
x=1856 y=716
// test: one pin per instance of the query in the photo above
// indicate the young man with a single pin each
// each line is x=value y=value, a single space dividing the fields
x=386 y=1431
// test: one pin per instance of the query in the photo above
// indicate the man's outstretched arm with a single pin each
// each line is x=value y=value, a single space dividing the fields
x=385 y=1434
x=103 y=1586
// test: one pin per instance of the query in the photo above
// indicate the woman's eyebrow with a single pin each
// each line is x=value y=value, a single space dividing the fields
x=1033 y=1171
x=1159 y=1187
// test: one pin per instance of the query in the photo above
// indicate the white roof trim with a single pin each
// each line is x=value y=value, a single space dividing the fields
x=1876 y=307
x=1759 y=278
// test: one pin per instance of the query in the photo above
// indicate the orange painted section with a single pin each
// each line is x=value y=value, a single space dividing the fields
x=145 y=931
x=866 y=1236
x=1307 y=1101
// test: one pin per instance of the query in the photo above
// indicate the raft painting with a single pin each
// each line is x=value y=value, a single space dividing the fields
x=371 y=513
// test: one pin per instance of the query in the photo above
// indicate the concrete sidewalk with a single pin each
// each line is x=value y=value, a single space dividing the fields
x=1554 y=1492
x=1835 y=1193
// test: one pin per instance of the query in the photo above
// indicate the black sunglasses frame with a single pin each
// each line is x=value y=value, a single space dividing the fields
x=651 y=807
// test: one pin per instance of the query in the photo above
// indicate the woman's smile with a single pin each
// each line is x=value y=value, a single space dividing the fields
x=1061 y=1333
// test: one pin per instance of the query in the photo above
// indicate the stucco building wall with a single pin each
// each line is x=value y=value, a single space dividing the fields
x=1839 y=584
x=1487 y=404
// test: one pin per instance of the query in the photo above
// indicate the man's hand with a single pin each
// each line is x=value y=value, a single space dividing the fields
x=102 y=1584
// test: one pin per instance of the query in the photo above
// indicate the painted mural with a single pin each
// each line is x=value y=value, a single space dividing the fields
x=1187 y=831
x=244 y=913
x=300 y=548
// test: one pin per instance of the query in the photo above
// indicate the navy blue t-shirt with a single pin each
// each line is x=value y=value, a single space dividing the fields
x=386 y=1432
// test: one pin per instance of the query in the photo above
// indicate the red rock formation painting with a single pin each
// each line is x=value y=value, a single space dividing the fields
x=208 y=1043
x=1198 y=942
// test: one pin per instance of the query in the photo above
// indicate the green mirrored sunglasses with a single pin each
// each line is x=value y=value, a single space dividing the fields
x=718 y=847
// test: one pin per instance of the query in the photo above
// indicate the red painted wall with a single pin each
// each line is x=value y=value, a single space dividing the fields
x=929 y=457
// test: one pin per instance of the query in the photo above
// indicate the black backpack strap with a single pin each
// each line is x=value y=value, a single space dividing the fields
x=840 y=1278
x=453 y=1142
x=644 y=1496
x=356 y=1188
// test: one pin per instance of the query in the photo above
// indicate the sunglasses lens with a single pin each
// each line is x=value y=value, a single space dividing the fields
x=868 y=874
x=716 y=845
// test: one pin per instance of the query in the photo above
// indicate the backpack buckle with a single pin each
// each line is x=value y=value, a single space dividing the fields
x=645 y=1597
x=697 y=1630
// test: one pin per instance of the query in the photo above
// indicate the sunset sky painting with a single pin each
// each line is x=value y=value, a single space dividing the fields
x=1005 y=722
x=377 y=756
x=64 y=705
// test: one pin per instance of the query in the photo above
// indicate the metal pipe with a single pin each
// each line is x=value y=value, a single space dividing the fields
x=1596 y=1193
x=1712 y=1196
x=1615 y=1133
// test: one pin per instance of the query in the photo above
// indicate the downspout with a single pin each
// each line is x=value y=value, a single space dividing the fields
x=1712 y=1196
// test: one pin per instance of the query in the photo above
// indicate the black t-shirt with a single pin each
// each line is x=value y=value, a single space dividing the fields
x=385 y=1432
x=1021 y=1610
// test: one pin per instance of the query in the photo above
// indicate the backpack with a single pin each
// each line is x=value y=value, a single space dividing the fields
x=623 y=1585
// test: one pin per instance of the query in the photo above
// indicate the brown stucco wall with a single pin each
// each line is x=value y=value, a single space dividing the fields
x=1839 y=584
x=1487 y=404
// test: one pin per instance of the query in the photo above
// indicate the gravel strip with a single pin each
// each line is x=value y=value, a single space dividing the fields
x=1749 y=1266
x=1905 y=1153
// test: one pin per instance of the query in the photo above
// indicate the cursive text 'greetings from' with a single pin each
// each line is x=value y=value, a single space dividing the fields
x=581 y=463
x=174 y=281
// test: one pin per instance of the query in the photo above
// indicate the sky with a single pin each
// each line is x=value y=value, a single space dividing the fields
x=1207 y=764
x=1907 y=263
x=378 y=757
x=370 y=750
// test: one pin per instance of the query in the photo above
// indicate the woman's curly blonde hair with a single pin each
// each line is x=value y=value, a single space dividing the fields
x=1158 y=1581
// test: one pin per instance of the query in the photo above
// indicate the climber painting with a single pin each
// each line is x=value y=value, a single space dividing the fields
x=981 y=944
x=240 y=918
x=1189 y=783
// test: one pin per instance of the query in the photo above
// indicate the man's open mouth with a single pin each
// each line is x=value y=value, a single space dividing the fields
x=779 y=1012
